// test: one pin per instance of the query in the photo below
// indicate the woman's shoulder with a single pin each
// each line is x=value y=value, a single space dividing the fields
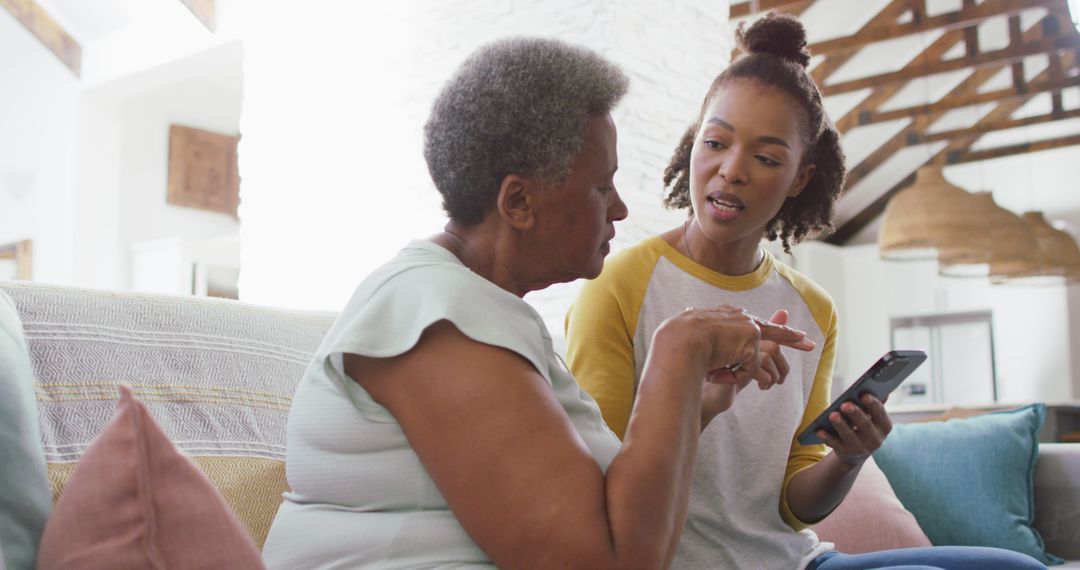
x=814 y=295
x=425 y=271
x=420 y=286
x=804 y=284
x=638 y=258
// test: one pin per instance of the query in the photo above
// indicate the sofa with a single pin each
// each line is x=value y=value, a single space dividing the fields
x=218 y=377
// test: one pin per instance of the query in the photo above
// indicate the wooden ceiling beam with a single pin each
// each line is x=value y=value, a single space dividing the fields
x=1004 y=110
x=966 y=17
x=832 y=62
x=53 y=36
x=204 y=10
x=1012 y=150
x=866 y=113
x=950 y=102
x=1055 y=70
x=753 y=7
x=919 y=123
x=958 y=150
x=880 y=95
x=1007 y=55
x=953 y=134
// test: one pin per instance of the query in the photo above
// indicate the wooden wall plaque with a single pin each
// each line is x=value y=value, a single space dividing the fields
x=203 y=171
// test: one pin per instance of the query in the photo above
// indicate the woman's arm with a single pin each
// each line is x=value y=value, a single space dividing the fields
x=514 y=471
x=814 y=492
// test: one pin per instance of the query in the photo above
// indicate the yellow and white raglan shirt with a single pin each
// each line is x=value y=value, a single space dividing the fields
x=739 y=515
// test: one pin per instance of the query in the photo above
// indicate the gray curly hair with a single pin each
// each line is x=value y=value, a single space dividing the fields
x=516 y=106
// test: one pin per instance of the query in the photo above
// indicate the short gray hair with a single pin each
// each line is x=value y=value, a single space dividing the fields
x=515 y=106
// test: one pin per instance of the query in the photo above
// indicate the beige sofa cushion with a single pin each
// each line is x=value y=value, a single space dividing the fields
x=217 y=375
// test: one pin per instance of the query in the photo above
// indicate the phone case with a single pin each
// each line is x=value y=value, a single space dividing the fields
x=880 y=380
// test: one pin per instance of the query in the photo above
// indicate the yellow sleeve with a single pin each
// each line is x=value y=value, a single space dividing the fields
x=600 y=328
x=802 y=456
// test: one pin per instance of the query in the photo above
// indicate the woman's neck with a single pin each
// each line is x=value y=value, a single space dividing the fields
x=739 y=257
x=481 y=249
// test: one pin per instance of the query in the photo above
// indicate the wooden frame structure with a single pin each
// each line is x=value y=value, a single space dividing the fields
x=53 y=36
x=1052 y=36
x=39 y=23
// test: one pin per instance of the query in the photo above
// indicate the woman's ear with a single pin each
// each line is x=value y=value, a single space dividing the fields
x=517 y=201
x=802 y=180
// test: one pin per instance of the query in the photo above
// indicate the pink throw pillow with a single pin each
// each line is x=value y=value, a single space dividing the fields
x=871 y=518
x=134 y=501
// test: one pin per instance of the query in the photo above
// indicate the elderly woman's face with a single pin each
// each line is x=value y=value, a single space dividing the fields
x=578 y=217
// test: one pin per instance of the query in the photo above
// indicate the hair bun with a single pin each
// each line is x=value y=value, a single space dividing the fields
x=776 y=33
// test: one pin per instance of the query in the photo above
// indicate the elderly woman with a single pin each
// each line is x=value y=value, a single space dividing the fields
x=436 y=426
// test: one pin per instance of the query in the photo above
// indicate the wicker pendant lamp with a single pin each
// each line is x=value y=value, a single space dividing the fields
x=1008 y=238
x=1056 y=256
x=1013 y=246
x=933 y=217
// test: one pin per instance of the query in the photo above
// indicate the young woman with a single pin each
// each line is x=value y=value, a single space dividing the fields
x=762 y=160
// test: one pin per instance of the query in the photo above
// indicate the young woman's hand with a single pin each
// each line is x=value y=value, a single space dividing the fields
x=860 y=430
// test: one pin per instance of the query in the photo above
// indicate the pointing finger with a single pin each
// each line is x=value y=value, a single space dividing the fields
x=785 y=335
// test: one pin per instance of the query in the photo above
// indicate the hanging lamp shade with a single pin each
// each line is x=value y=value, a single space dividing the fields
x=1012 y=246
x=1056 y=256
x=933 y=217
x=1006 y=234
x=1065 y=251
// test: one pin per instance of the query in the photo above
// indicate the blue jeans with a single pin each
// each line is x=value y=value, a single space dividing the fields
x=939 y=557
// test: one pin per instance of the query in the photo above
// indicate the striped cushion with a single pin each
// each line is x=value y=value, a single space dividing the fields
x=217 y=375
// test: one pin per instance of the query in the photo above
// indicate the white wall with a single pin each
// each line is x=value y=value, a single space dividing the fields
x=1034 y=336
x=98 y=165
x=340 y=112
x=121 y=161
x=210 y=101
x=83 y=160
x=38 y=97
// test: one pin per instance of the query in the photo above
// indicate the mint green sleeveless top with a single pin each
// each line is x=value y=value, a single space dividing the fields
x=360 y=496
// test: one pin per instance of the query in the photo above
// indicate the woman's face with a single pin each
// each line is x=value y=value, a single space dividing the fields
x=746 y=161
x=577 y=222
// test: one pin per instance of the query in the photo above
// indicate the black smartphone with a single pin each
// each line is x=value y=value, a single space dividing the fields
x=880 y=380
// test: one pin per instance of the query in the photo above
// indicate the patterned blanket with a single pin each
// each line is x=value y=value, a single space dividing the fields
x=217 y=375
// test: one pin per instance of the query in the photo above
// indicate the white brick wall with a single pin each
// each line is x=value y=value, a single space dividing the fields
x=671 y=50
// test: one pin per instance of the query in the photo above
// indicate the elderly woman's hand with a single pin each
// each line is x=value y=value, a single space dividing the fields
x=730 y=347
x=721 y=386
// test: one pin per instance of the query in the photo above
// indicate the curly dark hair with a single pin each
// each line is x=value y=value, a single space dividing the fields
x=775 y=55
x=515 y=106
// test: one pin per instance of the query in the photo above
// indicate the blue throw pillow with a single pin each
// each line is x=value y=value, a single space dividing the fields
x=25 y=498
x=969 y=482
